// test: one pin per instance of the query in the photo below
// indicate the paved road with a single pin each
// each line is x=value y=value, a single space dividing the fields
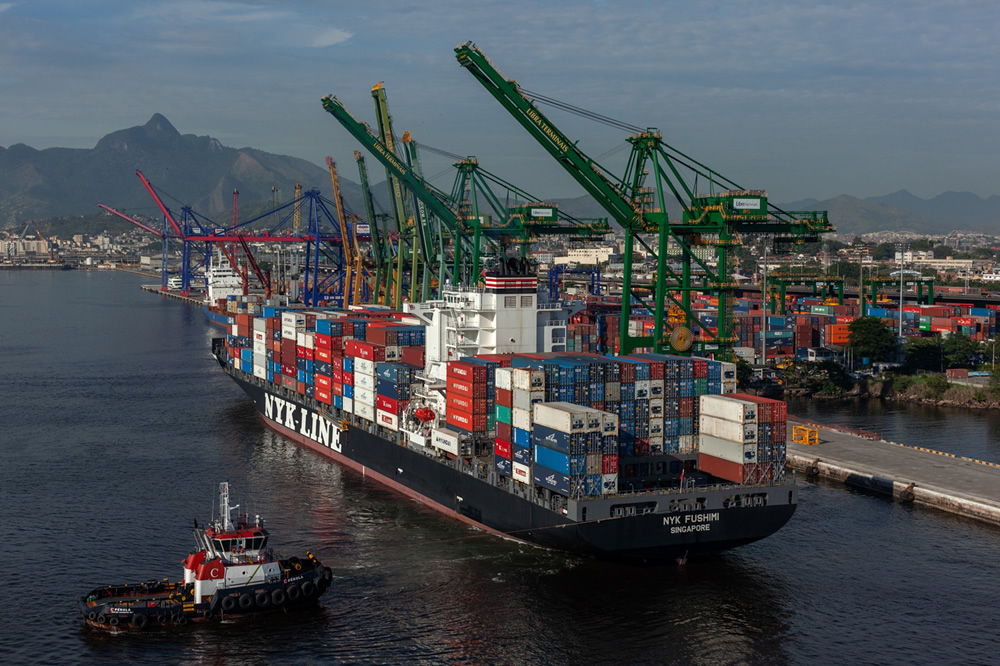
x=956 y=477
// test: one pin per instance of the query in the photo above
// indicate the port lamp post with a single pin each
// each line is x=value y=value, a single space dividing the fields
x=901 y=248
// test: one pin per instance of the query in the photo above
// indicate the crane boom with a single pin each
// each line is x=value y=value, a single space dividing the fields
x=717 y=220
x=433 y=199
x=345 y=244
x=583 y=169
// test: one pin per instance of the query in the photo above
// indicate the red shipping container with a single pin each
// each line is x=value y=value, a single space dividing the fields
x=503 y=359
x=468 y=371
x=288 y=370
x=337 y=389
x=338 y=364
x=685 y=407
x=505 y=431
x=724 y=469
x=609 y=464
x=505 y=398
x=502 y=449
x=348 y=378
x=464 y=403
x=365 y=350
x=384 y=403
x=414 y=356
x=468 y=422
x=322 y=341
x=338 y=375
x=324 y=355
x=322 y=381
x=323 y=396
x=466 y=388
x=288 y=382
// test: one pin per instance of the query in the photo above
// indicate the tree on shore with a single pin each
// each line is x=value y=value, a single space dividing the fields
x=870 y=337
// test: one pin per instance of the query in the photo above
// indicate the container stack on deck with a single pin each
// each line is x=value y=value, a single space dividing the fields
x=742 y=438
x=574 y=423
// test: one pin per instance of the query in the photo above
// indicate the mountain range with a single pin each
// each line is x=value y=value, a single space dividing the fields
x=201 y=172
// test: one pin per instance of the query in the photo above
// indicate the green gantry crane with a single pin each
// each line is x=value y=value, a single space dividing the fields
x=458 y=216
x=716 y=220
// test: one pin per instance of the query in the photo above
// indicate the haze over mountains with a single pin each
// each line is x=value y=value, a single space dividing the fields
x=199 y=171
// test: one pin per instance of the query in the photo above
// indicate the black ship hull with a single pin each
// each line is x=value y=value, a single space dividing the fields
x=649 y=527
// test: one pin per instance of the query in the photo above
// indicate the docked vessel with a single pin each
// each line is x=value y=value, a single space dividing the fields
x=472 y=405
x=233 y=573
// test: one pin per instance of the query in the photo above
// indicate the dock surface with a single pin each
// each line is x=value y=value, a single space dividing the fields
x=958 y=485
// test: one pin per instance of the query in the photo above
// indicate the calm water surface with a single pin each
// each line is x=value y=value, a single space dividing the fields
x=117 y=425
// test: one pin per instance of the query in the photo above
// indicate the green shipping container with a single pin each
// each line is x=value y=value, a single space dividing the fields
x=820 y=309
x=925 y=326
x=504 y=415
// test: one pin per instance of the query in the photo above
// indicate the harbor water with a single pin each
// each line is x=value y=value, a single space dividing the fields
x=118 y=425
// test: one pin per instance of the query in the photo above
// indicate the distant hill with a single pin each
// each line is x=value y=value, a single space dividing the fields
x=195 y=170
x=951 y=210
x=851 y=215
x=62 y=184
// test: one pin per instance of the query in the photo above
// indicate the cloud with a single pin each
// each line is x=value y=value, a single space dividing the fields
x=4 y=6
x=331 y=37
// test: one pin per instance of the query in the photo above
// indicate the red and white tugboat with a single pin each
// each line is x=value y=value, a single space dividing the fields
x=232 y=573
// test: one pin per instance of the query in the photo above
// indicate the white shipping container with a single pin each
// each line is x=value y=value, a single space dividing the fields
x=446 y=440
x=364 y=395
x=503 y=378
x=609 y=423
x=259 y=325
x=729 y=369
x=521 y=418
x=595 y=420
x=723 y=429
x=729 y=386
x=730 y=409
x=293 y=319
x=392 y=352
x=349 y=405
x=419 y=440
x=655 y=388
x=655 y=427
x=364 y=381
x=688 y=443
x=365 y=411
x=528 y=379
x=562 y=416
x=234 y=329
x=259 y=348
x=521 y=473
x=656 y=407
x=289 y=333
x=609 y=484
x=364 y=366
x=260 y=371
x=656 y=443
x=642 y=389
x=260 y=336
x=525 y=399
x=306 y=339
x=386 y=419
x=728 y=450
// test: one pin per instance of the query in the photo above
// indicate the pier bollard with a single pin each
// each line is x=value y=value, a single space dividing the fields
x=906 y=495
x=812 y=469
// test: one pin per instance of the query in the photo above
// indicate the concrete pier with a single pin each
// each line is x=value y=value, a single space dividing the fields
x=962 y=486
x=198 y=299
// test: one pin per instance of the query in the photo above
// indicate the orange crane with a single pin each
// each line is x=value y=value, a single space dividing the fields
x=352 y=251
x=48 y=246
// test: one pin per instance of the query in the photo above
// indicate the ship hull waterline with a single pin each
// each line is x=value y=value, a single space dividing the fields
x=645 y=538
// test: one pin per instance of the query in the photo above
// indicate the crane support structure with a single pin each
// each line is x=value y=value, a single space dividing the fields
x=380 y=253
x=711 y=223
x=432 y=199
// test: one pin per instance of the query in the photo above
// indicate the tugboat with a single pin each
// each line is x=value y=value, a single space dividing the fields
x=233 y=573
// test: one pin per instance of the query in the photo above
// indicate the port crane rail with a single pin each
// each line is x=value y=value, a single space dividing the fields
x=718 y=220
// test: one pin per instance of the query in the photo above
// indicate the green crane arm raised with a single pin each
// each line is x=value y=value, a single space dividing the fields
x=579 y=165
x=397 y=166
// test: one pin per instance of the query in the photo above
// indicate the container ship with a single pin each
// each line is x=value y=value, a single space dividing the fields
x=477 y=405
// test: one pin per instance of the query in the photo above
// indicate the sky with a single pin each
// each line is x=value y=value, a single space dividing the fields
x=802 y=99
